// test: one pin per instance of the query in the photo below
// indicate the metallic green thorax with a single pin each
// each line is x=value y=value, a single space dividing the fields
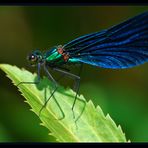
x=54 y=55
x=54 y=58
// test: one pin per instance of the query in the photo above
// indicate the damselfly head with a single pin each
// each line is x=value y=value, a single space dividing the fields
x=34 y=58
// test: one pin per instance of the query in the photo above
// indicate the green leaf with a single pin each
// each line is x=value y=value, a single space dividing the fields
x=92 y=125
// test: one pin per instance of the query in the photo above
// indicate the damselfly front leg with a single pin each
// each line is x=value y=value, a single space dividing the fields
x=38 y=81
x=38 y=77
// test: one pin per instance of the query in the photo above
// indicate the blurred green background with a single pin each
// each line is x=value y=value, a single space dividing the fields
x=121 y=93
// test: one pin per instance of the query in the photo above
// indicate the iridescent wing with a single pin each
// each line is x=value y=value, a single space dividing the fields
x=122 y=46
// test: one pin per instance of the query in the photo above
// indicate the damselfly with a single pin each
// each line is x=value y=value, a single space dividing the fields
x=122 y=46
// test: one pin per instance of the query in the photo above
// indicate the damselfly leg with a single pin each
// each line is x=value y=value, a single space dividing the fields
x=38 y=77
x=38 y=81
x=52 y=94
x=76 y=87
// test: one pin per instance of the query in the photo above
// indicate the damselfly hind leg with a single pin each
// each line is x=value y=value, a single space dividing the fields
x=76 y=88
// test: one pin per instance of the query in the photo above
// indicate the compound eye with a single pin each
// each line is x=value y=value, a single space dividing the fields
x=32 y=58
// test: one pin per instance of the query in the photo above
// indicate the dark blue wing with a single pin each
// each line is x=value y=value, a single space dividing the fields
x=122 y=46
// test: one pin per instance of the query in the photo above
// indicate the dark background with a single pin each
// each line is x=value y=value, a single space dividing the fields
x=121 y=93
